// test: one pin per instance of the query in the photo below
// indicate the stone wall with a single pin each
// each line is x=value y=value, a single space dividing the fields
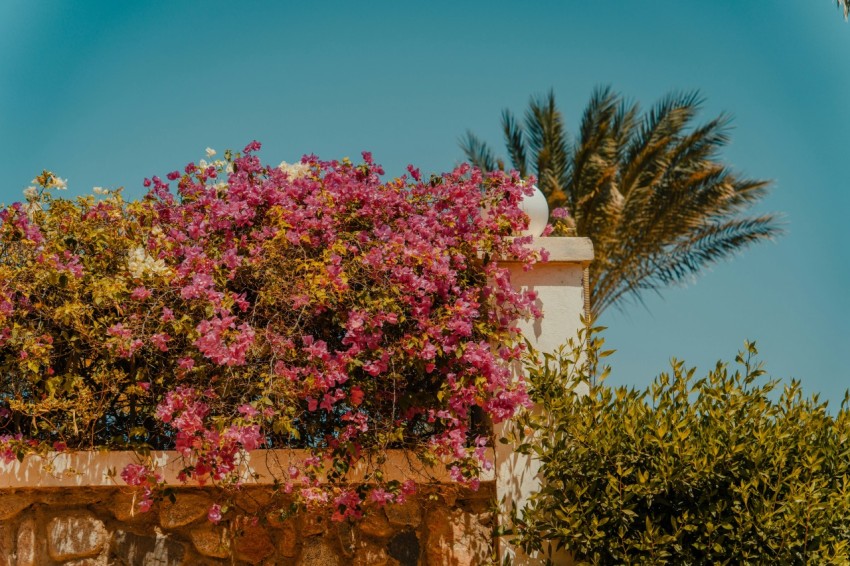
x=441 y=525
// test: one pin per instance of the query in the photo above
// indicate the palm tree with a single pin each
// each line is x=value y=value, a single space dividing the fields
x=844 y=4
x=646 y=188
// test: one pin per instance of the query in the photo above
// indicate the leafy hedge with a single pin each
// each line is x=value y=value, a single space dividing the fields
x=718 y=470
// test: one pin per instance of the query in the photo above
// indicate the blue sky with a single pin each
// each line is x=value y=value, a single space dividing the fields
x=106 y=93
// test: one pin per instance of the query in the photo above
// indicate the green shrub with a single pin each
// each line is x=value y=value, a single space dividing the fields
x=720 y=470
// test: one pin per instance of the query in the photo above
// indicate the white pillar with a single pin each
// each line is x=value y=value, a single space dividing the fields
x=559 y=284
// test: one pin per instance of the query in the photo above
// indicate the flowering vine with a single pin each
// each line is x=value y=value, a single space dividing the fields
x=240 y=306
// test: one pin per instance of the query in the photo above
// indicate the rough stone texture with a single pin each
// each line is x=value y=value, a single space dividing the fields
x=456 y=538
x=147 y=550
x=100 y=561
x=346 y=533
x=370 y=554
x=11 y=505
x=375 y=524
x=25 y=550
x=124 y=506
x=253 y=544
x=70 y=497
x=76 y=535
x=211 y=541
x=407 y=514
x=312 y=525
x=95 y=528
x=253 y=500
x=188 y=508
x=287 y=540
x=7 y=546
x=319 y=552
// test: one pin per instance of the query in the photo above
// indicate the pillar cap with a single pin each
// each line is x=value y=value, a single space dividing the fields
x=564 y=250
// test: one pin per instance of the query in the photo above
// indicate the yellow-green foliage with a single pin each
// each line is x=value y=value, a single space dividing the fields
x=719 y=470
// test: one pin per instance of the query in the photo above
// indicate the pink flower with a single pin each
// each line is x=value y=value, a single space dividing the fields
x=381 y=496
x=140 y=294
x=160 y=340
x=119 y=331
x=214 y=514
x=248 y=411
x=146 y=502
x=134 y=474
x=560 y=213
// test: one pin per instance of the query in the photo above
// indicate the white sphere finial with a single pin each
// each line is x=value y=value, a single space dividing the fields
x=537 y=209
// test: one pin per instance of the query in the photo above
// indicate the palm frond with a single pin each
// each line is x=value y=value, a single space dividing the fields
x=680 y=262
x=547 y=142
x=515 y=142
x=478 y=152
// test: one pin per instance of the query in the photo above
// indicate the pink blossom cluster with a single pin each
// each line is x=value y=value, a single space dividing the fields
x=213 y=453
x=143 y=477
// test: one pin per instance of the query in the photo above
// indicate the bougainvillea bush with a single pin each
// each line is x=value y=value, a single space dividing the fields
x=239 y=306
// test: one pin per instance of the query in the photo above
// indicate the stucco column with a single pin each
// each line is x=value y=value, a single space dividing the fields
x=559 y=284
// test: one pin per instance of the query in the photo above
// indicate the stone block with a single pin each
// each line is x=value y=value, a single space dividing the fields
x=187 y=508
x=319 y=552
x=346 y=533
x=155 y=549
x=407 y=514
x=287 y=540
x=25 y=547
x=75 y=535
x=252 y=544
x=375 y=524
x=70 y=497
x=313 y=524
x=210 y=540
x=276 y=519
x=370 y=554
x=7 y=545
x=124 y=506
x=253 y=501
x=12 y=504
x=456 y=538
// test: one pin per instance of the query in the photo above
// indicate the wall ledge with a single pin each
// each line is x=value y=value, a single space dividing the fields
x=564 y=250
x=258 y=468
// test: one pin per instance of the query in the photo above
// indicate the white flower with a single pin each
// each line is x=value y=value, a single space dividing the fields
x=210 y=152
x=295 y=170
x=30 y=192
x=229 y=168
x=60 y=184
x=31 y=208
x=140 y=263
x=99 y=190
x=203 y=164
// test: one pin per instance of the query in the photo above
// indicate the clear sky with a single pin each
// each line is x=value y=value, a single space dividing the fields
x=106 y=93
